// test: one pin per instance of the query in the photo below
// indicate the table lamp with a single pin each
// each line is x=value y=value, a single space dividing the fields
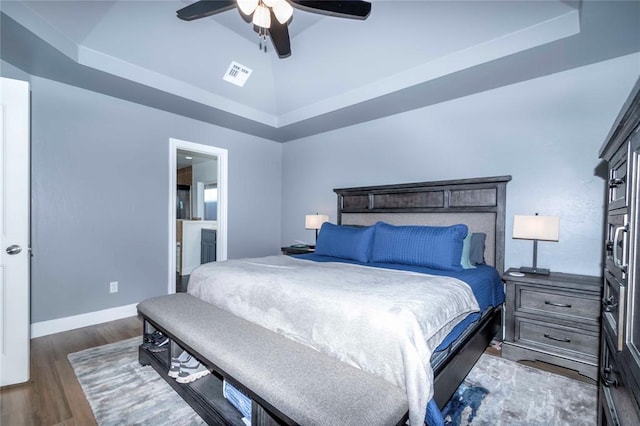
x=536 y=228
x=315 y=221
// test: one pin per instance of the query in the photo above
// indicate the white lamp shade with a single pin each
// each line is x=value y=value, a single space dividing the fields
x=283 y=11
x=262 y=17
x=269 y=3
x=247 y=6
x=315 y=221
x=545 y=228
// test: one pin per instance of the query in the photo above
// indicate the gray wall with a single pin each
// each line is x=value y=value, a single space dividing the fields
x=546 y=133
x=100 y=197
x=100 y=177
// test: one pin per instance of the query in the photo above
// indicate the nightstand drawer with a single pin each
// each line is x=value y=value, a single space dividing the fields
x=542 y=301
x=556 y=337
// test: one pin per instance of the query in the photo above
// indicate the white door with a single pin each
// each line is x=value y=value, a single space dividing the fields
x=14 y=231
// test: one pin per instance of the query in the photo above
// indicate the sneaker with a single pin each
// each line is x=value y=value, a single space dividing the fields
x=161 y=344
x=191 y=371
x=152 y=337
x=156 y=342
x=176 y=363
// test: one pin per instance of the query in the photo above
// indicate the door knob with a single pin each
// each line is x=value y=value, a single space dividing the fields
x=14 y=249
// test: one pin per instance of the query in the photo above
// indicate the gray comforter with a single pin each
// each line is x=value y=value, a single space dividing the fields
x=383 y=321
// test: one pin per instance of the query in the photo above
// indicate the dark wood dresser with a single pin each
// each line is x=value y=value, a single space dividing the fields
x=555 y=319
x=619 y=385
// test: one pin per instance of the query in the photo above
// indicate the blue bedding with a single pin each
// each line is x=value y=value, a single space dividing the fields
x=485 y=282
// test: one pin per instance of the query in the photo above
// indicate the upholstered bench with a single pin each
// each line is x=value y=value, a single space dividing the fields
x=288 y=382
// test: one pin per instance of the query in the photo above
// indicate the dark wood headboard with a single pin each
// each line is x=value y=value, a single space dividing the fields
x=478 y=203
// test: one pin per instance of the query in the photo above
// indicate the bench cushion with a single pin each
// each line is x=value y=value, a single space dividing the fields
x=309 y=387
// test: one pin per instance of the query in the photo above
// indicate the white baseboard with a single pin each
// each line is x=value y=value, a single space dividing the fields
x=44 y=328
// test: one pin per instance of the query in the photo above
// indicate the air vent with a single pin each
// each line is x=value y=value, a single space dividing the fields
x=237 y=74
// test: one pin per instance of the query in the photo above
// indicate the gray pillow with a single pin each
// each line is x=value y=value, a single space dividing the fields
x=476 y=251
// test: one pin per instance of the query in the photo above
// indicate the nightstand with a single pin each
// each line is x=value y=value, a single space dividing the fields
x=555 y=319
x=297 y=250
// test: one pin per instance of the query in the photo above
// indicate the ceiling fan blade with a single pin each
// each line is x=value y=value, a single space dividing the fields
x=279 y=34
x=341 y=9
x=204 y=8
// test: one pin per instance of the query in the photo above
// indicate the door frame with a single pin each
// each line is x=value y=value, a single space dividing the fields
x=221 y=237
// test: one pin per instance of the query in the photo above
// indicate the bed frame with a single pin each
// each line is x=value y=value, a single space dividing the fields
x=480 y=204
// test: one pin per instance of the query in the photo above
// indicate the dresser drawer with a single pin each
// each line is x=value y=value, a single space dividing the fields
x=613 y=299
x=617 y=403
x=618 y=187
x=557 y=302
x=556 y=338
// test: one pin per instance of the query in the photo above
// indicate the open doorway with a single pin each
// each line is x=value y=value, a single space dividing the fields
x=197 y=209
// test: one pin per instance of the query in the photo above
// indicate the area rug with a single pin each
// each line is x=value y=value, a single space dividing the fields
x=496 y=392
x=122 y=392
x=501 y=392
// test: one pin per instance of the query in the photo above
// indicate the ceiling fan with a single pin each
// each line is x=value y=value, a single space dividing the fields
x=272 y=16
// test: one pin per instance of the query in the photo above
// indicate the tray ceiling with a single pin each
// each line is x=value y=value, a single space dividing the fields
x=406 y=55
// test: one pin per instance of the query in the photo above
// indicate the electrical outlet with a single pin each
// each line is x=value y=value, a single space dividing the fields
x=113 y=287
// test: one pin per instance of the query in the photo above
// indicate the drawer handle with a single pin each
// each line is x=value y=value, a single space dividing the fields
x=615 y=182
x=620 y=243
x=559 y=305
x=609 y=303
x=608 y=245
x=558 y=339
x=606 y=378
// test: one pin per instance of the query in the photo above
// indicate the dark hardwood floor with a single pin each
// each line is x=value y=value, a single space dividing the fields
x=53 y=396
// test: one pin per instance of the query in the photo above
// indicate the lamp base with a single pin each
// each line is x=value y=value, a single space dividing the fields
x=530 y=270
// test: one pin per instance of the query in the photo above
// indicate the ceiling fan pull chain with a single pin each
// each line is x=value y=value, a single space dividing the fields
x=262 y=38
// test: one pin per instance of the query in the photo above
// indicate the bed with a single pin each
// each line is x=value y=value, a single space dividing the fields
x=380 y=324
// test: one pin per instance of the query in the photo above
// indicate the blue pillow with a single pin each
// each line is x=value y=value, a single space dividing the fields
x=465 y=261
x=345 y=242
x=438 y=247
x=476 y=248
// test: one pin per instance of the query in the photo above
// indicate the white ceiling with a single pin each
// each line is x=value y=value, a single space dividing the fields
x=406 y=55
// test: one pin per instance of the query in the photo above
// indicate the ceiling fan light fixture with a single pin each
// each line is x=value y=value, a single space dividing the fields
x=262 y=17
x=247 y=6
x=283 y=11
x=260 y=12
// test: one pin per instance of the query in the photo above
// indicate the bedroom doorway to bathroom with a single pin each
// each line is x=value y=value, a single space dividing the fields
x=197 y=209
